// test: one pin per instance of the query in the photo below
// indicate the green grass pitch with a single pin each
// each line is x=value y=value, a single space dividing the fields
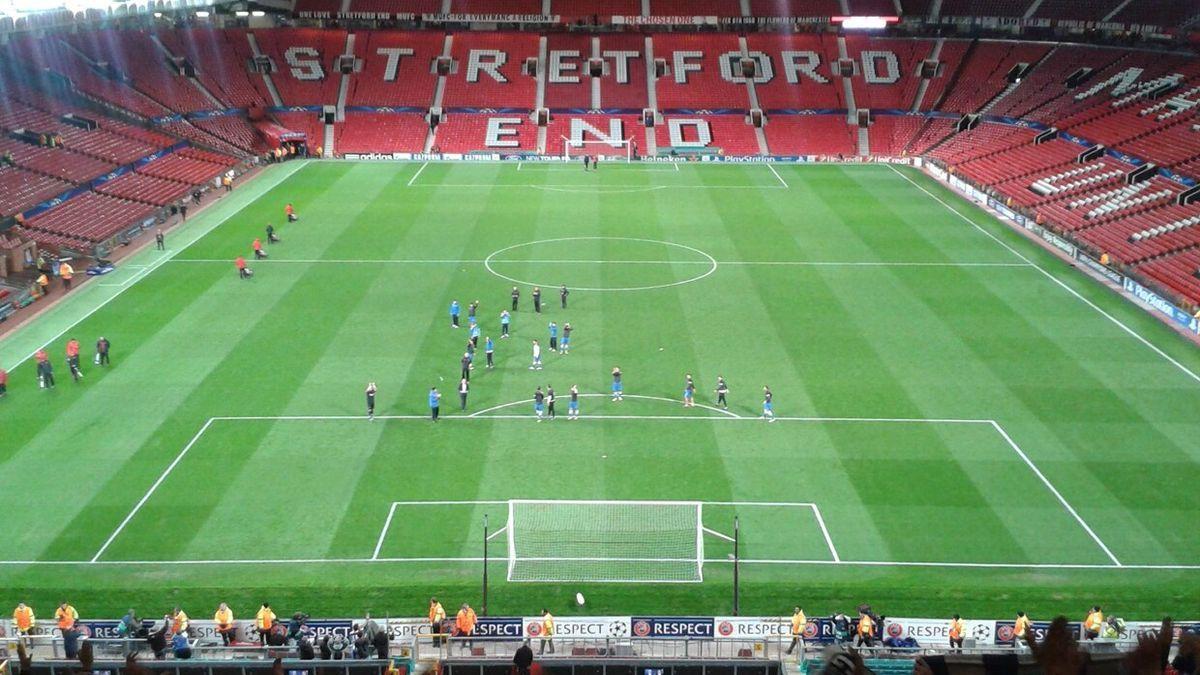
x=968 y=425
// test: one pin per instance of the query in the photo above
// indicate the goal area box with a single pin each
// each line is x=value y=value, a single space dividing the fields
x=605 y=541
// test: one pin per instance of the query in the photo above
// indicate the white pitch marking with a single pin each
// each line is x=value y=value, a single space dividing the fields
x=781 y=180
x=1056 y=280
x=418 y=173
x=1050 y=486
x=825 y=533
x=387 y=524
x=564 y=261
x=146 y=497
x=492 y=186
x=634 y=396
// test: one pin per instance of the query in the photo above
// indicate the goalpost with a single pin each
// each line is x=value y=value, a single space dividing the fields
x=615 y=149
x=606 y=541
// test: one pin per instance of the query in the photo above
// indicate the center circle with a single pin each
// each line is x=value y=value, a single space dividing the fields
x=705 y=261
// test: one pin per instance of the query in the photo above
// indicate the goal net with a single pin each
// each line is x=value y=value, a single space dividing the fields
x=616 y=149
x=605 y=541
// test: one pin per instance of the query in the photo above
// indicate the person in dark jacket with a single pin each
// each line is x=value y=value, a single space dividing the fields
x=158 y=641
x=523 y=659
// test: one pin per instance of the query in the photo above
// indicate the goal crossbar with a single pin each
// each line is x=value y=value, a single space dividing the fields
x=612 y=149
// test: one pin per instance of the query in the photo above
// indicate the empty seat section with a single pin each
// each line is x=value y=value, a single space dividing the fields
x=1077 y=10
x=90 y=217
x=623 y=85
x=574 y=11
x=826 y=135
x=195 y=134
x=136 y=55
x=468 y=132
x=693 y=8
x=20 y=189
x=496 y=6
x=490 y=71
x=391 y=78
x=220 y=65
x=886 y=71
x=986 y=139
x=890 y=134
x=233 y=129
x=795 y=8
x=304 y=61
x=1164 y=13
x=949 y=61
x=984 y=7
x=984 y=74
x=872 y=7
x=187 y=170
x=568 y=83
x=57 y=162
x=694 y=78
x=727 y=133
x=804 y=80
x=319 y=7
x=143 y=188
x=238 y=42
x=380 y=132
x=393 y=7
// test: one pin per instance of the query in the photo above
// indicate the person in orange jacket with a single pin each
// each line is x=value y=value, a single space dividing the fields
x=464 y=624
x=259 y=253
x=73 y=359
x=956 y=633
x=65 y=616
x=23 y=619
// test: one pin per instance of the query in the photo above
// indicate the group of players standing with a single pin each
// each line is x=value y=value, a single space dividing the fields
x=544 y=400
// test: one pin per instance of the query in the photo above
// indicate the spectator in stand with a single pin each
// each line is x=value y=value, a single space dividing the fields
x=523 y=659
x=23 y=618
x=226 y=628
x=437 y=614
x=799 y=621
x=464 y=625
x=264 y=621
x=1093 y=623
x=180 y=647
x=66 y=272
x=3 y=382
x=102 y=347
x=129 y=625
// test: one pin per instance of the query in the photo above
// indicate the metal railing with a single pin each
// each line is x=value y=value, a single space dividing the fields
x=770 y=648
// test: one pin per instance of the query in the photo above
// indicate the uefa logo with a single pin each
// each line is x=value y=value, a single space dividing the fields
x=895 y=630
x=725 y=628
x=641 y=628
x=1004 y=633
x=533 y=629
x=810 y=630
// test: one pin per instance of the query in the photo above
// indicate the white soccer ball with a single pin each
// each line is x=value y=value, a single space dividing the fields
x=579 y=599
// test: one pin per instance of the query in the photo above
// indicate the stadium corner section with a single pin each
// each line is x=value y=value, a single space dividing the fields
x=19 y=345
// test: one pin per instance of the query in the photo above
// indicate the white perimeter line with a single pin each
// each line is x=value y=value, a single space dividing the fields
x=477 y=416
x=1055 y=279
x=418 y=173
x=499 y=560
x=825 y=533
x=510 y=404
x=146 y=497
x=747 y=263
x=166 y=258
x=597 y=189
x=781 y=180
x=1062 y=500
x=383 y=533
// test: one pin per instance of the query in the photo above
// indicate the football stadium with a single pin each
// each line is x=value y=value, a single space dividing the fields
x=659 y=336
